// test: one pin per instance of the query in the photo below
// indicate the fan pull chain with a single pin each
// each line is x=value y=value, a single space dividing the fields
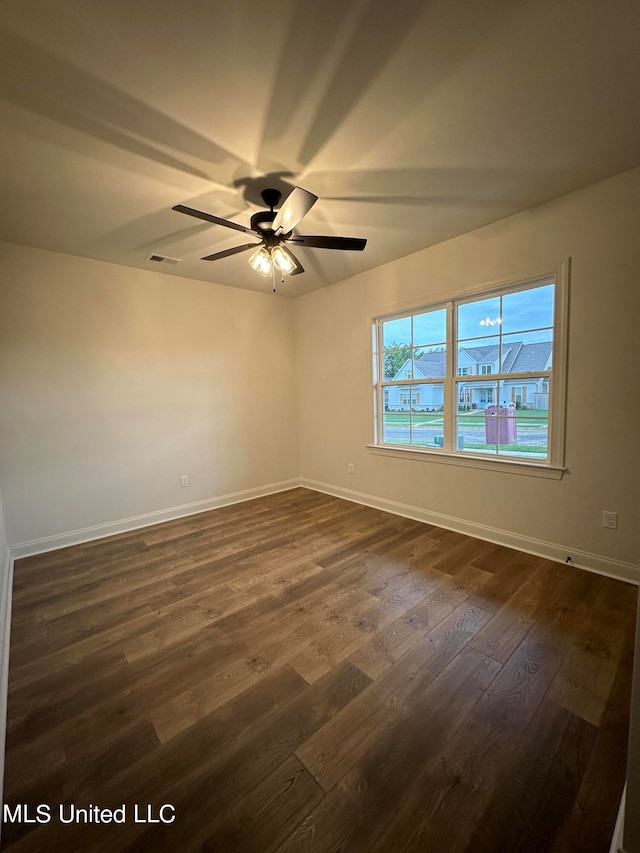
x=273 y=275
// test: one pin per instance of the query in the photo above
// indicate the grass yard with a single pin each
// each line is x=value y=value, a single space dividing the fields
x=509 y=448
x=401 y=419
x=534 y=418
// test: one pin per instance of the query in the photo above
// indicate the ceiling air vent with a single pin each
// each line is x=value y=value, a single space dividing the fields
x=163 y=259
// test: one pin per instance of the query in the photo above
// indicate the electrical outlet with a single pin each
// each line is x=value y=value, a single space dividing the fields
x=610 y=520
x=351 y=470
x=184 y=480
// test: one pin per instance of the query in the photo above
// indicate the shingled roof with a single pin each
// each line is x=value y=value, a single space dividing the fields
x=532 y=357
x=431 y=363
x=517 y=357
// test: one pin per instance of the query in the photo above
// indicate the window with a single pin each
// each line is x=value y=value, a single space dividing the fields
x=514 y=335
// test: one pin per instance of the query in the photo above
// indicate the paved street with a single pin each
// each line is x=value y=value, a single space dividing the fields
x=426 y=434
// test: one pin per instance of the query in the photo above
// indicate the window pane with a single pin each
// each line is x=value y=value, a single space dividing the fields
x=396 y=414
x=527 y=352
x=473 y=399
x=480 y=318
x=523 y=430
x=429 y=363
x=396 y=428
x=430 y=328
x=528 y=309
x=397 y=362
x=396 y=332
x=426 y=414
x=478 y=356
x=397 y=398
x=531 y=393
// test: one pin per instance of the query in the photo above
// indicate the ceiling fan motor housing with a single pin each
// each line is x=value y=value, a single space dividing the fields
x=262 y=220
x=271 y=197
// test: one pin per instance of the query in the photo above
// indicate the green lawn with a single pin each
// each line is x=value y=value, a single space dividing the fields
x=400 y=419
x=532 y=417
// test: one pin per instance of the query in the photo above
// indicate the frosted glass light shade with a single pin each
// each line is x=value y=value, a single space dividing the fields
x=282 y=260
x=261 y=261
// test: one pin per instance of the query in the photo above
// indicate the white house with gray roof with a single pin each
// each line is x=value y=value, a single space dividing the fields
x=517 y=357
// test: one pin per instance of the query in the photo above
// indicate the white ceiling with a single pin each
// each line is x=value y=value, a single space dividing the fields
x=414 y=121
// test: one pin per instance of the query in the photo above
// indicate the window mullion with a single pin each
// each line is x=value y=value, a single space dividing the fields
x=449 y=410
x=379 y=393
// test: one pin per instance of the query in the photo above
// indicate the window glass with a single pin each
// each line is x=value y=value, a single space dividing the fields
x=479 y=318
x=430 y=328
x=396 y=362
x=477 y=351
x=497 y=402
x=430 y=363
x=527 y=309
x=396 y=332
x=426 y=415
x=528 y=352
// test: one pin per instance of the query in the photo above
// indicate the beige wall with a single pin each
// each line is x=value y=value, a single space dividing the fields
x=4 y=545
x=599 y=229
x=114 y=382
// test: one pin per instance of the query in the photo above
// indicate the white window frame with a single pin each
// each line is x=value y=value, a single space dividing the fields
x=553 y=467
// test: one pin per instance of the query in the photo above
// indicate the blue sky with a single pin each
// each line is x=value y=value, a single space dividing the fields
x=519 y=312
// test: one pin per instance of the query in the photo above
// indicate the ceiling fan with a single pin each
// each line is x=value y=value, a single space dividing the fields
x=274 y=230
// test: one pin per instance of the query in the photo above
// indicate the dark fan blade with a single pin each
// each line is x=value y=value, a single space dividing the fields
x=295 y=206
x=354 y=244
x=225 y=254
x=208 y=217
x=299 y=268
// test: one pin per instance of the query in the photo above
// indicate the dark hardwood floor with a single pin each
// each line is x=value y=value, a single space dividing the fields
x=301 y=673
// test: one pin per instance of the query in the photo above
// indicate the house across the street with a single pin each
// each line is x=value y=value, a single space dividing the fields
x=518 y=357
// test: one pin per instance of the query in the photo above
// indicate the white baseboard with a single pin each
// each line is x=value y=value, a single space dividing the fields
x=124 y=525
x=551 y=551
x=558 y=553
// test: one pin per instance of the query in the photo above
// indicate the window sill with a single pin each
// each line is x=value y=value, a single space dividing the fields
x=529 y=469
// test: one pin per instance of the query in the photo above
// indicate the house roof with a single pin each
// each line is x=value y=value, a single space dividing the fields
x=532 y=357
x=518 y=357
x=482 y=355
x=431 y=364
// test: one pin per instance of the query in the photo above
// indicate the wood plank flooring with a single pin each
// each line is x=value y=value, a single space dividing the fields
x=301 y=673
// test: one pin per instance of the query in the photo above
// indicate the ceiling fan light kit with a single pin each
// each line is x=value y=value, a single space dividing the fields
x=261 y=261
x=273 y=229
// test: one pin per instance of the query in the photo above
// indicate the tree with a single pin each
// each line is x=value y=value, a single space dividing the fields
x=395 y=356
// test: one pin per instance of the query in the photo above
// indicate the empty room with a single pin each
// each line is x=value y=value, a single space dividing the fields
x=319 y=426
